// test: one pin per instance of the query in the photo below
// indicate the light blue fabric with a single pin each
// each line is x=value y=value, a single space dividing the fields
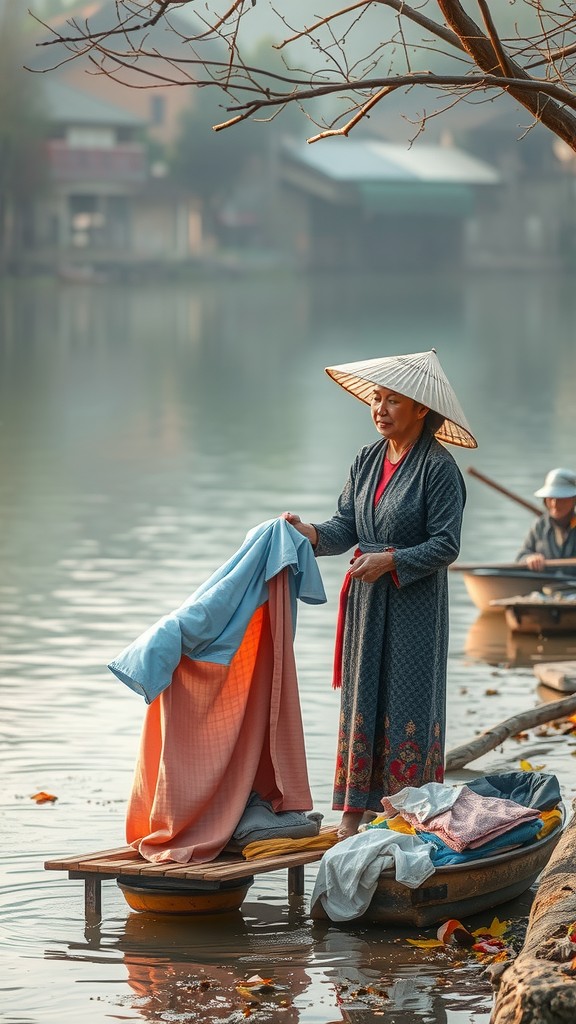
x=210 y=625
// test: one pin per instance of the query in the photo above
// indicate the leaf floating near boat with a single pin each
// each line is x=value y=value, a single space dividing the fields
x=426 y=943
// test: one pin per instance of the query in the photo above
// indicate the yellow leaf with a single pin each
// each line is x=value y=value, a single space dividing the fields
x=527 y=766
x=247 y=993
x=425 y=943
x=496 y=930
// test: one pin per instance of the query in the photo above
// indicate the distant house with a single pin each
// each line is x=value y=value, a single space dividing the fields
x=530 y=220
x=106 y=201
x=160 y=107
x=359 y=202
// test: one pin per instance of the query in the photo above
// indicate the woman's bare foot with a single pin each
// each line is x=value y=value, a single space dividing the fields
x=349 y=824
x=369 y=816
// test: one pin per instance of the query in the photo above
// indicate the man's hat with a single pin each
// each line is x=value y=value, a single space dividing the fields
x=559 y=483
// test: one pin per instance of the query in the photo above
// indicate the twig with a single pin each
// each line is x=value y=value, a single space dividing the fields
x=357 y=116
x=462 y=755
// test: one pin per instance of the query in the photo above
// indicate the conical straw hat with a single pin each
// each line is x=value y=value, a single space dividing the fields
x=417 y=375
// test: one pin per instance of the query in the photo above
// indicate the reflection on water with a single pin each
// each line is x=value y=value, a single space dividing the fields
x=489 y=639
x=142 y=433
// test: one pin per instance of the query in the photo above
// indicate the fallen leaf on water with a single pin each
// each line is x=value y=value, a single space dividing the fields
x=247 y=993
x=491 y=693
x=527 y=766
x=425 y=943
x=499 y=928
x=496 y=930
x=44 y=798
x=521 y=736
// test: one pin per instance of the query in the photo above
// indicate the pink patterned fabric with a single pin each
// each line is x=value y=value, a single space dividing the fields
x=214 y=735
x=474 y=820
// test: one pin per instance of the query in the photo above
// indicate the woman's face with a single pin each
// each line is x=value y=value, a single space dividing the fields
x=560 y=509
x=396 y=417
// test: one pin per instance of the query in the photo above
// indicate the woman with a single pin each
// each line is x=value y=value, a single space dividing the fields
x=554 y=533
x=402 y=508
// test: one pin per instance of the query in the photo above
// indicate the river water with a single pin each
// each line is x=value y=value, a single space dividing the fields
x=143 y=431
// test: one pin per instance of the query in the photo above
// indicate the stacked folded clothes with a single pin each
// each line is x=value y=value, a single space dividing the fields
x=488 y=815
x=436 y=825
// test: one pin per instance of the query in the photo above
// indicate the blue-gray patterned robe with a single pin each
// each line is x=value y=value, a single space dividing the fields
x=395 y=638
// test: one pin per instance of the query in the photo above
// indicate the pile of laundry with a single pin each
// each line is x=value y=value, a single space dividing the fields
x=435 y=825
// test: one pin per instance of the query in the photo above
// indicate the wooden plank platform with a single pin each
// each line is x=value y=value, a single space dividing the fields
x=97 y=866
x=559 y=675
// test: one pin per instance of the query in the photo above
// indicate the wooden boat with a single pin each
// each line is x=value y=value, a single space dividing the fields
x=457 y=890
x=485 y=586
x=539 y=615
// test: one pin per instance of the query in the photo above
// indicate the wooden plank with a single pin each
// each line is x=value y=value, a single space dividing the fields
x=121 y=866
x=126 y=861
x=559 y=675
x=67 y=863
x=260 y=866
x=213 y=870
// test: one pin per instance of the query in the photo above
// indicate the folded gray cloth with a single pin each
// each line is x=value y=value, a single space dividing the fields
x=260 y=821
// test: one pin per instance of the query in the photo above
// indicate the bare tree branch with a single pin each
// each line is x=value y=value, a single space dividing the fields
x=365 y=75
x=494 y=38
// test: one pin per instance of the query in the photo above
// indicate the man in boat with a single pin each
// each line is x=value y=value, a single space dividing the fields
x=554 y=533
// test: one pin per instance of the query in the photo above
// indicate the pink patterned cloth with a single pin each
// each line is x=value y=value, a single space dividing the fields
x=214 y=735
x=474 y=820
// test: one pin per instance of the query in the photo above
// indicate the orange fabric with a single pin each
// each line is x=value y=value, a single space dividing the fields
x=215 y=734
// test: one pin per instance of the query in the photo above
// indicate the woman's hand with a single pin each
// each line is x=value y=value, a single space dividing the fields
x=536 y=562
x=370 y=567
x=306 y=529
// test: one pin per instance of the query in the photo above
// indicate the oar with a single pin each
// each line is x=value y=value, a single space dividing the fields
x=550 y=563
x=504 y=490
